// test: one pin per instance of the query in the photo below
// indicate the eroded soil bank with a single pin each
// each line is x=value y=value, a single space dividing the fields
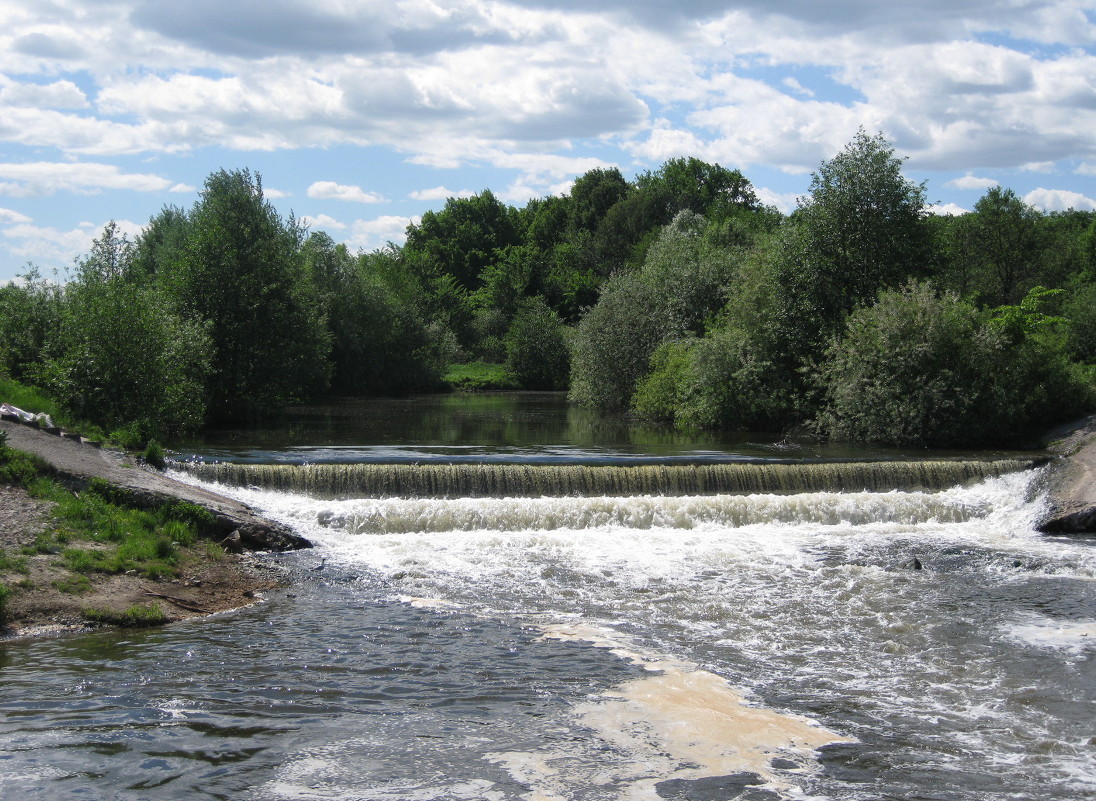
x=47 y=597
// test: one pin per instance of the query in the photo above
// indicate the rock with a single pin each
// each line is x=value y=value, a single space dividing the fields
x=1071 y=483
x=913 y=563
x=233 y=542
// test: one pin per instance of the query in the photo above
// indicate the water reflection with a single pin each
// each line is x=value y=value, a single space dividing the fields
x=495 y=427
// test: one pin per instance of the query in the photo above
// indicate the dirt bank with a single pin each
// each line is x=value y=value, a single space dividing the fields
x=45 y=598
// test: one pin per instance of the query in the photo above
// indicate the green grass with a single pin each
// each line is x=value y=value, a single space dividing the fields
x=134 y=617
x=125 y=538
x=28 y=398
x=33 y=399
x=479 y=377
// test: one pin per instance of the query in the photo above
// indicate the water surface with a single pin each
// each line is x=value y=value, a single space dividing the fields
x=752 y=646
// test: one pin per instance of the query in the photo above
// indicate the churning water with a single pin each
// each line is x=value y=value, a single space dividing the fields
x=749 y=646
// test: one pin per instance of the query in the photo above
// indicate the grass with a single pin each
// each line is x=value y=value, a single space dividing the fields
x=99 y=531
x=33 y=399
x=134 y=617
x=479 y=377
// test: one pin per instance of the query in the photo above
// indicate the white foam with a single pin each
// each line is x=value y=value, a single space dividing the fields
x=1075 y=636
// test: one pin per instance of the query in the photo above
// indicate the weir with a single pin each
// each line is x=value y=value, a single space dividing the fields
x=539 y=480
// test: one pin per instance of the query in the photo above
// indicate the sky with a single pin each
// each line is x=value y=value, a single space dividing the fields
x=359 y=115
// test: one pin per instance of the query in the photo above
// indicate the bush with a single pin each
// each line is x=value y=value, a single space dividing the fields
x=615 y=341
x=658 y=395
x=536 y=347
x=128 y=362
x=921 y=369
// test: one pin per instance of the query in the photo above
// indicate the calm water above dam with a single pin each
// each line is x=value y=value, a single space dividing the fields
x=747 y=645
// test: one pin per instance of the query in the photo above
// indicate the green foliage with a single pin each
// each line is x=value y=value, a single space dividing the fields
x=1079 y=308
x=680 y=287
x=239 y=272
x=922 y=369
x=478 y=377
x=536 y=348
x=125 y=358
x=380 y=343
x=658 y=395
x=461 y=239
x=133 y=617
x=1027 y=319
x=860 y=230
x=30 y=318
x=154 y=455
x=614 y=342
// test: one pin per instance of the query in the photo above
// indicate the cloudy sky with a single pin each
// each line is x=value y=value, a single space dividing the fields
x=362 y=114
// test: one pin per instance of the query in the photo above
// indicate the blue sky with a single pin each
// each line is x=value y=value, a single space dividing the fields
x=362 y=114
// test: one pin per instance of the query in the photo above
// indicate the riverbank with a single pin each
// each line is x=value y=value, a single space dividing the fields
x=47 y=596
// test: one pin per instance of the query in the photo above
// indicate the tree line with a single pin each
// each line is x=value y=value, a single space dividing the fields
x=677 y=296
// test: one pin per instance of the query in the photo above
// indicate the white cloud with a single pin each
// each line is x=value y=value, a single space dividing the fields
x=59 y=94
x=48 y=244
x=1038 y=166
x=439 y=193
x=784 y=201
x=7 y=217
x=970 y=181
x=41 y=178
x=373 y=234
x=797 y=87
x=1086 y=168
x=947 y=209
x=329 y=190
x=321 y=222
x=1059 y=200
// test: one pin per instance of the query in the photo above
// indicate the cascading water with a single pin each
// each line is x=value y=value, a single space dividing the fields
x=819 y=635
x=533 y=480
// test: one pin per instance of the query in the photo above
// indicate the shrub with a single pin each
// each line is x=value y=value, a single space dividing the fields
x=921 y=369
x=658 y=395
x=536 y=347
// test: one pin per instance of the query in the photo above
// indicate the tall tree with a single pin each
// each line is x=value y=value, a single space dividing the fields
x=240 y=270
x=859 y=231
x=461 y=239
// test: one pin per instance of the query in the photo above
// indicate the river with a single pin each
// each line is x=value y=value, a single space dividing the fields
x=763 y=645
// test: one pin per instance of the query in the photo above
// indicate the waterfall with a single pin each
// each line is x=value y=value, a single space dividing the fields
x=538 y=480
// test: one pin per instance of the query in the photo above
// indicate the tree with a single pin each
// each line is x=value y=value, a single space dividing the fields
x=593 y=194
x=240 y=270
x=1003 y=240
x=681 y=284
x=536 y=348
x=861 y=226
x=693 y=185
x=30 y=321
x=461 y=239
x=125 y=358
